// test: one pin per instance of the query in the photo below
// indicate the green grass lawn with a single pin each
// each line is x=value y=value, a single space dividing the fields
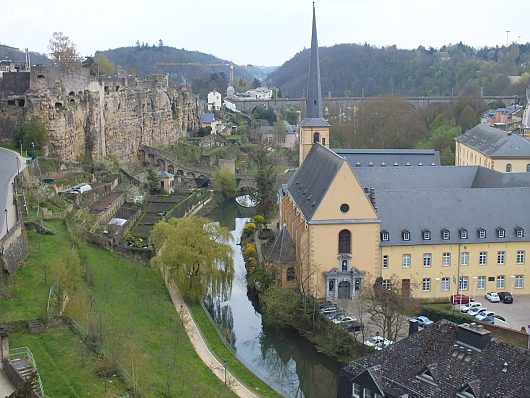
x=240 y=371
x=66 y=366
x=134 y=314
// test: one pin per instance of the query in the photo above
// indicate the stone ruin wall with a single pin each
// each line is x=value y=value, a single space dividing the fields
x=102 y=117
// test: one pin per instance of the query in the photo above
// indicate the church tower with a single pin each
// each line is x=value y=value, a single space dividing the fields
x=314 y=128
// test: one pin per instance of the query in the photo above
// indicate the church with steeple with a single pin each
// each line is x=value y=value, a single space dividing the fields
x=314 y=128
x=350 y=216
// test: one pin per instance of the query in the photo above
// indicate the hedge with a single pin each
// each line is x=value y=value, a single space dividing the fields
x=435 y=313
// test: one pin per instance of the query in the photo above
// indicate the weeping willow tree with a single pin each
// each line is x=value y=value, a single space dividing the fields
x=192 y=253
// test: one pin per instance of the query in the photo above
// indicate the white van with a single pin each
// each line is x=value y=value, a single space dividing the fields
x=81 y=188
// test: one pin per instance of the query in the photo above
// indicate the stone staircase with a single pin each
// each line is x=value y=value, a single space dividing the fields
x=28 y=372
x=35 y=326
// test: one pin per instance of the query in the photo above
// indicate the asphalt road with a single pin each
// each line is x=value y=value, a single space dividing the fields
x=8 y=170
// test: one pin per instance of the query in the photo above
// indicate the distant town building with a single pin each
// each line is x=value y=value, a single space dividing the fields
x=167 y=181
x=494 y=149
x=209 y=120
x=508 y=118
x=260 y=93
x=286 y=138
x=214 y=100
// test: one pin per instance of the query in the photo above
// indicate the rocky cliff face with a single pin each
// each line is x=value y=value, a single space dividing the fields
x=97 y=117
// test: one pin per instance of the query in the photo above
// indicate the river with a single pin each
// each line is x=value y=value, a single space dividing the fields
x=284 y=360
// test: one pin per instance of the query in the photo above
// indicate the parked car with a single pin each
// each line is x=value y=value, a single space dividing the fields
x=345 y=318
x=492 y=297
x=353 y=326
x=378 y=342
x=506 y=297
x=460 y=299
x=423 y=321
x=476 y=310
x=484 y=314
x=468 y=306
x=335 y=315
x=328 y=310
x=81 y=188
x=496 y=320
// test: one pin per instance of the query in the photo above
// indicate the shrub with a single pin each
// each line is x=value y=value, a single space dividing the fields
x=105 y=367
x=250 y=226
x=436 y=313
x=258 y=218
x=250 y=250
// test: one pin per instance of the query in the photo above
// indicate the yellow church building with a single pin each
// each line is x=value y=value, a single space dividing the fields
x=350 y=216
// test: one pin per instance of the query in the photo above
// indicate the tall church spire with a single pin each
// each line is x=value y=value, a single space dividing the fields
x=314 y=92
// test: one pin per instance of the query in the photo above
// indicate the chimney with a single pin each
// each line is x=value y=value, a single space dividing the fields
x=413 y=326
x=472 y=336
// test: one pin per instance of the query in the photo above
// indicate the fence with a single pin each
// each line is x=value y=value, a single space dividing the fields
x=188 y=205
x=124 y=374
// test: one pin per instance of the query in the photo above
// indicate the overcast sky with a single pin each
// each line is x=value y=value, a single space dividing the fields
x=265 y=32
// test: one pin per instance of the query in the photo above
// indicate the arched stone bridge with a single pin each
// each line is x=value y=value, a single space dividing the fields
x=335 y=104
x=167 y=161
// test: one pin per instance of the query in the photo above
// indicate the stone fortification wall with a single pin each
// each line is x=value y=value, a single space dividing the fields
x=98 y=117
x=14 y=247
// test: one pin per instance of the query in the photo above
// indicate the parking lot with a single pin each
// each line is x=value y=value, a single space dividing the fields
x=516 y=314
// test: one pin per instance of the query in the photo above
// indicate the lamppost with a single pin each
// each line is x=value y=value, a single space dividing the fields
x=224 y=365
x=33 y=149
x=7 y=226
x=18 y=164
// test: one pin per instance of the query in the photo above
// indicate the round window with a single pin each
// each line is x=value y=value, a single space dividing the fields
x=344 y=208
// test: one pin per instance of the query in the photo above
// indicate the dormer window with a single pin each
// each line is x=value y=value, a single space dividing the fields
x=501 y=233
x=482 y=233
x=466 y=392
x=426 y=234
x=385 y=236
x=519 y=232
x=463 y=233
x=427 y=376
x=446 y=234
x=405 y=235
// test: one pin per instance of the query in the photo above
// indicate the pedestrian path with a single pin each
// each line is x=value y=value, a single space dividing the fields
x=202 y=349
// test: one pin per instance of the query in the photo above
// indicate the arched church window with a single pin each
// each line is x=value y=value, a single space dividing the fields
x=291 y=274
x=316 y=137
x=344 y=241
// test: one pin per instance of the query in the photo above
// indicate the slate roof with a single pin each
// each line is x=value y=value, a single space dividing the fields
x=207 y=118
x=452 y=209
x=283 y=249
x=495 y=143
x=310 y=182
x=314 y=122
x=389 y=157
x=434 y=349
x=165 y=174
x=314 y=91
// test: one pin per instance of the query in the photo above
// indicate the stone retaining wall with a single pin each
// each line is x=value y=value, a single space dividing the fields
x=14 y=247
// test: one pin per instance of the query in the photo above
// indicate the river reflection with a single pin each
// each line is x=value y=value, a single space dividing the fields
x=282 y=359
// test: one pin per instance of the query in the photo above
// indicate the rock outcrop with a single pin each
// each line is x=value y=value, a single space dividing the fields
x=97 y=117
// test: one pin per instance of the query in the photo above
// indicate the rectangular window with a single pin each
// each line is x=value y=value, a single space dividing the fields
x=463 y=234
x=481 y=282
x=446 y=259
x=406 y=235
x=464 y=258
x=520 y=256
x=427 y=257
x=406 y=261
x=426 y=285
x=356 y=390
x=501 y=257
x=445 y=284
x=385 y=261
x=483 y=258
x=519 y=232
x=426 y=235
x=445 y=234
x=464 y=282
x=482 y=233
x=519 y=282
x=367 y=393
x=387 y=284
x=501 y=281
x=376 y=395
x=501 y=233
x=385 y=236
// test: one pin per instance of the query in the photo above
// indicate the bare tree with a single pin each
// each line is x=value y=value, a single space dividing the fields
x=388 y=307
x=64 y=52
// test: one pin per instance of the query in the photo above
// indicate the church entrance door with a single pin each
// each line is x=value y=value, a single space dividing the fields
x=344 y=290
